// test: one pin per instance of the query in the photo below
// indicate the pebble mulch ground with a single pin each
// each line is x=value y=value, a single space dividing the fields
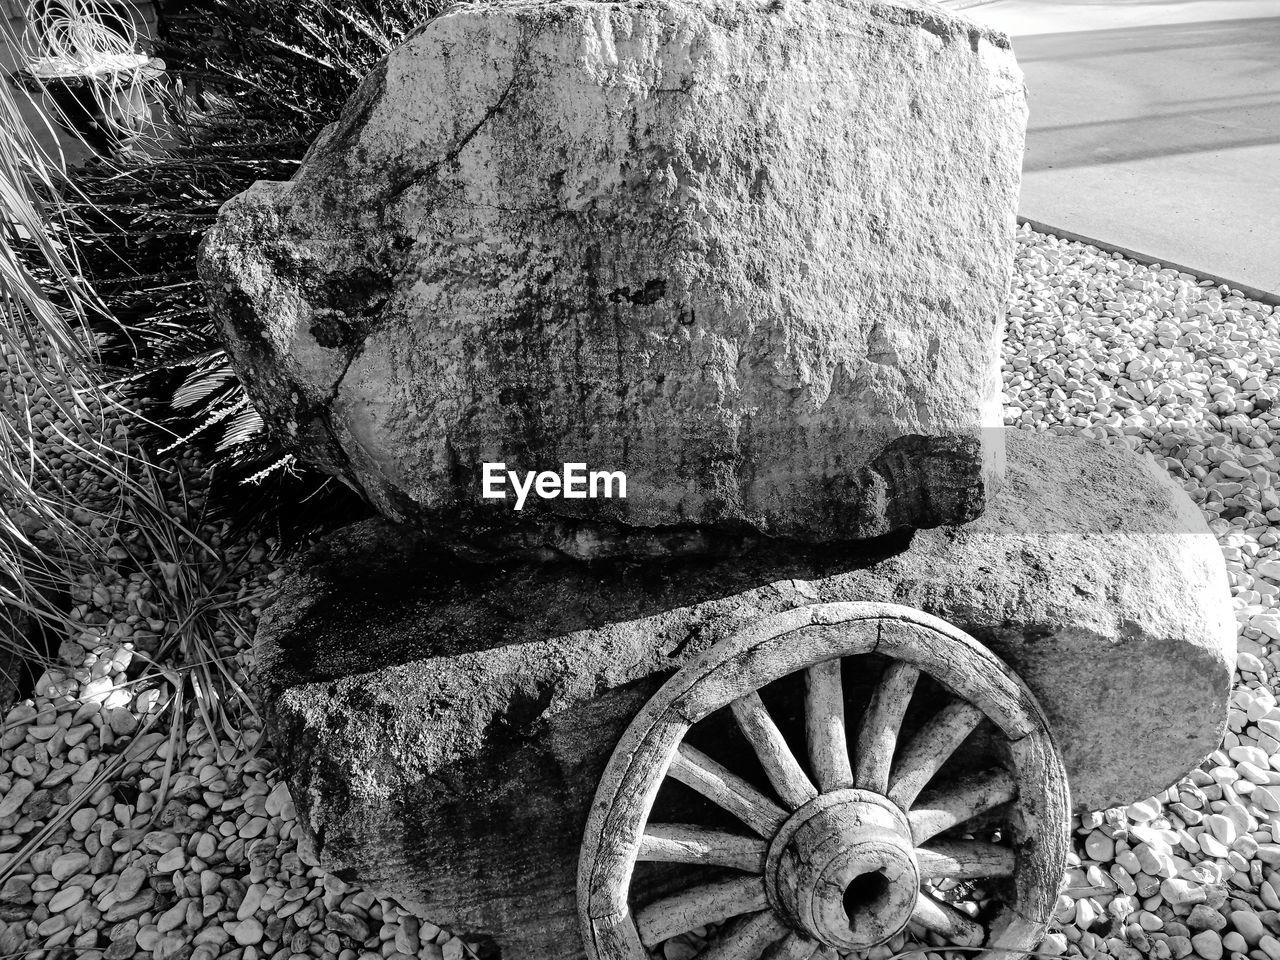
x=174 y=842
x=1185 y=371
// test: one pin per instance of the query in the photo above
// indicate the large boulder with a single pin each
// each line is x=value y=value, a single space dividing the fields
x=444 y=724
x=752 y=254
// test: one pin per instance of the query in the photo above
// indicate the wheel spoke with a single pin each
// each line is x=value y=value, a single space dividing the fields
x=794 y=947
x=680 y=843
x=791 y=783
x=930 y=748
x=824 y=726
x=946 y=921
x=726 y=789
x=965 y=860
x=948 y=806
x=746 y=938
x=699 y=906
x=878 y=734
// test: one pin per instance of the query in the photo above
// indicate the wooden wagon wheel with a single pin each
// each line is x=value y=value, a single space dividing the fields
x=842 y=857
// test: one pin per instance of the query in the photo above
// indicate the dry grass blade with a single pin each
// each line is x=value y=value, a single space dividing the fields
x=74 y=484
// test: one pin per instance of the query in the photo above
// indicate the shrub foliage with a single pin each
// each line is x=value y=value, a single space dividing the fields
x=251 y=84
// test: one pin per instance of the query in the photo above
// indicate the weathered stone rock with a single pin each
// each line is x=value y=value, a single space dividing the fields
x=754 y=255
x=445 y=723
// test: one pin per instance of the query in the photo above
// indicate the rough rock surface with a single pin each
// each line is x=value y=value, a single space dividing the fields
x=752 y=254
x=445 y=724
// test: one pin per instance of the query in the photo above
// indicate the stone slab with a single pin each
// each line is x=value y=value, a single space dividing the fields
x=444 y=724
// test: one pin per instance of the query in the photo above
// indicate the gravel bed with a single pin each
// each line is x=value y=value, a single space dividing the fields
x=187 y=845
x=1185 y=371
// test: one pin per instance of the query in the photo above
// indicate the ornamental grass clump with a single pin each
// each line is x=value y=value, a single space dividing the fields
x=103 y=325
x=83 y=505
x=250 y=86
x=48 y=411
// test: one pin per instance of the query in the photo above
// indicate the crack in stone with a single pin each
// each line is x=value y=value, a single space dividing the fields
x=449 y=157
x=346 y=368
x=489 y=114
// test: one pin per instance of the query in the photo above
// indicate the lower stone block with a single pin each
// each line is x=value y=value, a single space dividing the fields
x=444 y=724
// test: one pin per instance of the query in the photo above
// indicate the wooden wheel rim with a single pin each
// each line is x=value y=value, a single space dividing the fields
x=768 y=650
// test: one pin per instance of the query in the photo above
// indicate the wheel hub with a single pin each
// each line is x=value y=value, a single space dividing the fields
x=843 y=869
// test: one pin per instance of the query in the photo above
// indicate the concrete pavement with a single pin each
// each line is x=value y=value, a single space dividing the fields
x=1155 y=127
